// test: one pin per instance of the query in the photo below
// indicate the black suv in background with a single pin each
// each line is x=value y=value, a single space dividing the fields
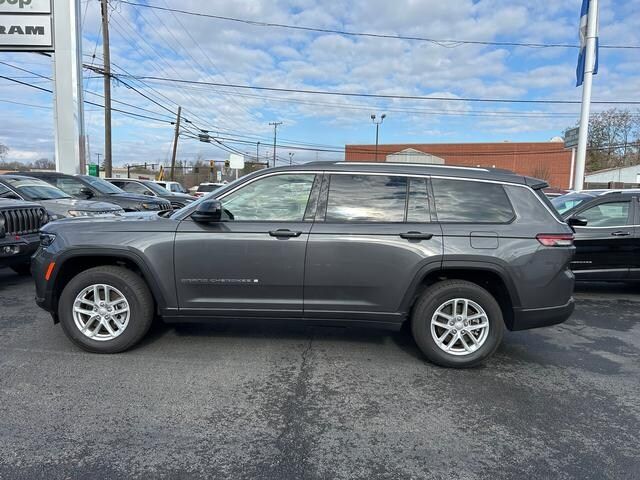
x=92 y=188
x=152 y=189
x=607 y=233
x=459 y=253
x=20 y=223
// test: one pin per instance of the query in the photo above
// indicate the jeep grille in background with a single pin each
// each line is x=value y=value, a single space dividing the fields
x=22 y=221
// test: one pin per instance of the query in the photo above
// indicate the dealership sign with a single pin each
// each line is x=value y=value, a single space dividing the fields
x=26 y=25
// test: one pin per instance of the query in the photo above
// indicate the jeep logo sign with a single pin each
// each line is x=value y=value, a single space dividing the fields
x=25 y=6
x=26 y=25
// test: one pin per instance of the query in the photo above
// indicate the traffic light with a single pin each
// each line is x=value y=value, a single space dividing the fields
x=227 y=164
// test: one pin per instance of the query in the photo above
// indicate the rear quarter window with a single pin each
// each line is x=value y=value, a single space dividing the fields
x=468 y=201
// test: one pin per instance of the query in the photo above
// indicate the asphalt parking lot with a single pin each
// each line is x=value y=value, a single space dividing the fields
x=282 y=402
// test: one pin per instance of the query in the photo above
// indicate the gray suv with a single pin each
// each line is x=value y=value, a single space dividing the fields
x=459 y=254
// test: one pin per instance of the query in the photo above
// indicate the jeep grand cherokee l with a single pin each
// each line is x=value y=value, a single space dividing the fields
x=459 y=253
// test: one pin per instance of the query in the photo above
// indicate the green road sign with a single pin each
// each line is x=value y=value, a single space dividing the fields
x=93 y=170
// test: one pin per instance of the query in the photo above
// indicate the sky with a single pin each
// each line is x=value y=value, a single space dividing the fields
x=153 y=43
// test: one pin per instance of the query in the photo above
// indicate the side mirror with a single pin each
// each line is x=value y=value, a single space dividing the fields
x=577 y=222
x=86 y=192
x=208 y=211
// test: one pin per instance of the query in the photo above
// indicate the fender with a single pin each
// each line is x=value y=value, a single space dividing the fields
x=467 y=262
x=111 y=252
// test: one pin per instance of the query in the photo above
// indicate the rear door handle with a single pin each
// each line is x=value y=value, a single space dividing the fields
x=284 y=233
x=416 y=235
x=620 y=233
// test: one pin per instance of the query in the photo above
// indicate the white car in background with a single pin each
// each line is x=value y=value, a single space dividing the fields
x=173 y=187
x=207 y=187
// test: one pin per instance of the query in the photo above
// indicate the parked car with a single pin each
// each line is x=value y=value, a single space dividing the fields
x=175 y=187
x=93 y=188
x=458 y=253
x=151 y=189
x=20 y=224
x=57 y=203
x=207 y=187
x=607 y=233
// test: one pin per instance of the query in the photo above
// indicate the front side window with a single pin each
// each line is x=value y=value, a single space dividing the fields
x=134 y=187
x=366 y=198
x=607 y=214
x=463 y=201
x=275 y=198
x=68 y=185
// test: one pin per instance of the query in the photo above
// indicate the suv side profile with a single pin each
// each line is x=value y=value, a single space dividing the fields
x=459 y=253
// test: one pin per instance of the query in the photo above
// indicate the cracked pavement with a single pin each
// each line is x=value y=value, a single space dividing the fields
x=289 y=401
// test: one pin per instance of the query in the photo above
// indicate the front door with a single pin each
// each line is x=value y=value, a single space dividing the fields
x=251 y=264
x=371 y=237
x=605 y=246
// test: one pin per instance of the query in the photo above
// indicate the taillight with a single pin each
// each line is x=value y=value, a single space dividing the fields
x=555 y=239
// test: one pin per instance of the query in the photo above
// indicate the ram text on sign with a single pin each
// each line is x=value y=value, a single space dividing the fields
x=31 y=31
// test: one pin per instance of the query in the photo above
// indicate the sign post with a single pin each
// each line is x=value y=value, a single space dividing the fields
x=571 y=141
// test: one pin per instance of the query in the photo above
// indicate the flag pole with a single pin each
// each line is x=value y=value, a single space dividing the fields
x=590 y=52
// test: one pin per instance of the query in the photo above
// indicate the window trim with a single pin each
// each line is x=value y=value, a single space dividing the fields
x=513 y=218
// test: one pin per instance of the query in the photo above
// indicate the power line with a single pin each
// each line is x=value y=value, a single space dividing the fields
x=386 y=96
x=439 y=42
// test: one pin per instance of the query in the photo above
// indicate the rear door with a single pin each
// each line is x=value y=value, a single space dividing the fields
x=606 y=246
x=372 y=235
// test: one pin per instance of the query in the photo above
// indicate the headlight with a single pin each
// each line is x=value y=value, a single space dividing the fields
x=79 y=213
x=46 y=239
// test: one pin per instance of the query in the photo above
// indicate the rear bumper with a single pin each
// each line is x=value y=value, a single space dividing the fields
x=525 y=319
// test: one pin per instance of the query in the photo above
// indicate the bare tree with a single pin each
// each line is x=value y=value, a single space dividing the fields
x=3 y=151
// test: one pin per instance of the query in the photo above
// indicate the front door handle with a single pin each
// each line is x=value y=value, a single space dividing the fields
x=621 y=233
x=284 y=233
x=416 y=235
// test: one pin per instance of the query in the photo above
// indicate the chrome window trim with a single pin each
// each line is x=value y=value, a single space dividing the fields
x=388 y=174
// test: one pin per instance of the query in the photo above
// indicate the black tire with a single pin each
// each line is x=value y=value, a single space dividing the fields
x=435 y=296
x=22 y=268
x=133 y=288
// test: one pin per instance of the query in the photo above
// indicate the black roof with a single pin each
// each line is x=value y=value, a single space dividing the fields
x=480 y=173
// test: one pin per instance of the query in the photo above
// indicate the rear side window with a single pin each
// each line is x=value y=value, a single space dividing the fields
x=366 y=198
x=463 y=201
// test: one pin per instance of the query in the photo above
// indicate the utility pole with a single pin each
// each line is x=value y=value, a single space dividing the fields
x=106 y=55
x=258 y=152
x=291 y=154
x=98 y=155
x=175 y=144
x=377 y=124
x=275 y=134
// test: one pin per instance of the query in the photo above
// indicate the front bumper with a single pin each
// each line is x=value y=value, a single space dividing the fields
x=26 y=245
x=525 y=319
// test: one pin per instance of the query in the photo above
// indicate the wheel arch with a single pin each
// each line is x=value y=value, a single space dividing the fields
x=489 y=276
x=69 y=265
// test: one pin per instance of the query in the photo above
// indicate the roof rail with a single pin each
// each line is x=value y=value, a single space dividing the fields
x=404 y=164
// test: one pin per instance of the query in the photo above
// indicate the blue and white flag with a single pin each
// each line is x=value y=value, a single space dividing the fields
x=584 y=13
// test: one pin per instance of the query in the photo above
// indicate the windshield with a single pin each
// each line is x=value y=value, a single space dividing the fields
x=564 y=203
x=155 y=188
x=33 y=189
x=101 y=185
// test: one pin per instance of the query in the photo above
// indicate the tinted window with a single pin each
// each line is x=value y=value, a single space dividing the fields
x=134 y=187
x=462 y=201
x=101 y=185
x=279 y=197
x=366 y=198
x=418 y=204
x=606 y=214
x=69 y=185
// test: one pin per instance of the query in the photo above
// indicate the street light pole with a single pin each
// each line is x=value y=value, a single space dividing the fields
x=377 y=124
x=291 y=154
x=258 y=152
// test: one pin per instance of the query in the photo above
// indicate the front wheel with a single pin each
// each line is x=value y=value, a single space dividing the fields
x=106 y=309
x=457 y=323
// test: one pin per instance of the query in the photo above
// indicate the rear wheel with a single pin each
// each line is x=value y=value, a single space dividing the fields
x=106 y=309
x=457 y=323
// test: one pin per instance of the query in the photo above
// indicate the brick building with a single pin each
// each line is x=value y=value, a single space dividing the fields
x=547 y=160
